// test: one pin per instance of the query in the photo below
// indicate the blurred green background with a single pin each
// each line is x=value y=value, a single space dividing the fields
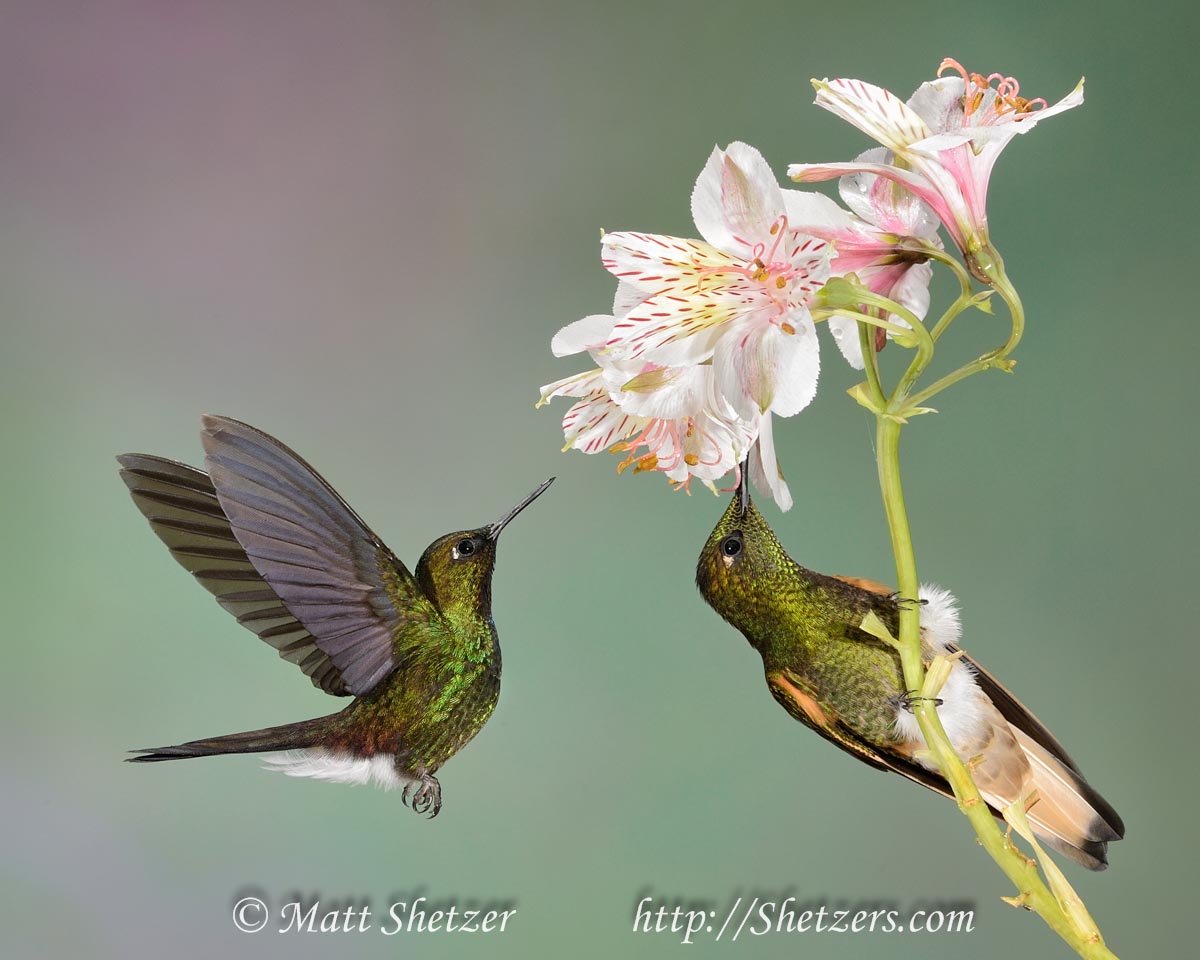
x=357 y=226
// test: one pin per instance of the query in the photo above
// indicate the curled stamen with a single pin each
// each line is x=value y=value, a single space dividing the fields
x=1007 y=99
x=951 y=64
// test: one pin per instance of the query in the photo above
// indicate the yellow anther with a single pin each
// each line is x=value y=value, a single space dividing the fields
x=691 y=459
x=787 y=328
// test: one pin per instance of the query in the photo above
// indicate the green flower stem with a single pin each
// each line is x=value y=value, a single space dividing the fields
x=866 y=340
x=995 y=358
x=917 y=332
x=966 y=296
x=824 y=313
x=1033 y=892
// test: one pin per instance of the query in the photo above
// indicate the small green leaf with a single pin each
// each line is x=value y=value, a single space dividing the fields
x=983 y=301
x=862 y=396
x=875 y=627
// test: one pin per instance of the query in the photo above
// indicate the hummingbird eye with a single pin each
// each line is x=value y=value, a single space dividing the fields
x=464 y=548
x=731 y=546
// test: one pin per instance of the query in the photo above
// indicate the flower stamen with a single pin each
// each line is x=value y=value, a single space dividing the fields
x=1007 y=98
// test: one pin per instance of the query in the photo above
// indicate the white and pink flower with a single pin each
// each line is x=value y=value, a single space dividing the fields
x=707 y=337
x=879 y=239
x=739 y=298
x=948 y=137
x=666 y=419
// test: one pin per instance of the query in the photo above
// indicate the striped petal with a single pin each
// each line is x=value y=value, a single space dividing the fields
x=595 y=423
x=652 y=263
x=877 y=112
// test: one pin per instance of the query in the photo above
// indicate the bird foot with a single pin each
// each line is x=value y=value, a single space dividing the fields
x=906 y=601
x=911 y=698
x=427 y=798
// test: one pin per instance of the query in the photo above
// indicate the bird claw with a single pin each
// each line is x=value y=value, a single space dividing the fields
x=425 y=799
x=911 y=697
x=906 y=601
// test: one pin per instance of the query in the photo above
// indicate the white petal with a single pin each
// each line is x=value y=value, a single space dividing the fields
x=913 y=290
x=736 y=200
x=706 y=202
x=885 y=204
x=626 y=298
x=845 y=335
x=590 y=333
x=718 y=445
x=1023 y=122
x=877 y=112
x=654 y=263
x=764 y=467
x=759 y=367
x=579 y=385
x=808 y=211
x=596 y=423
x=667 y=393
x=940 y=104
x=799 y=357
x=673 y=331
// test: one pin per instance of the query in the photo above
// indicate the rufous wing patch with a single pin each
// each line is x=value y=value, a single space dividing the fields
x=811 y=709
x=871 y=586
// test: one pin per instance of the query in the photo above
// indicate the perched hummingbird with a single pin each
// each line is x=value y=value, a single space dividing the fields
x=281 y=551
x=847 y=685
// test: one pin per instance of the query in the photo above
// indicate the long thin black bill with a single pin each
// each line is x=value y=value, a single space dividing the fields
x=495 y=528
x=743 y=489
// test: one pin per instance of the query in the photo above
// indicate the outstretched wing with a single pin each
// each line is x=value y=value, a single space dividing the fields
x=331 y=572
x=181 y=505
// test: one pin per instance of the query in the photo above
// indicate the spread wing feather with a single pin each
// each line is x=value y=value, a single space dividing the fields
x=331 y=573
x=181 y=505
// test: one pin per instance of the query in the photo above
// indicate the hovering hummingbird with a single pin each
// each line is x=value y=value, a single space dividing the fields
x=847 y=685
x=282 y=552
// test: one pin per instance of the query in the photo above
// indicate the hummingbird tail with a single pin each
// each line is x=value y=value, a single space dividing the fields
x=1069 y=814
x=289 y=736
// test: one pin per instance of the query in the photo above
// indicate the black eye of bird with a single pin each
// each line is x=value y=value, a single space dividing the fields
x=731 y=546
x=464 y=548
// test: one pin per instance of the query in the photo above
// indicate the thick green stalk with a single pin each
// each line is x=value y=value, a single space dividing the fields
x=1022 y=871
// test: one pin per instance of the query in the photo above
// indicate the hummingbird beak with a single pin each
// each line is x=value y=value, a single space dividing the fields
x=495 y=528
x=743 y=487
